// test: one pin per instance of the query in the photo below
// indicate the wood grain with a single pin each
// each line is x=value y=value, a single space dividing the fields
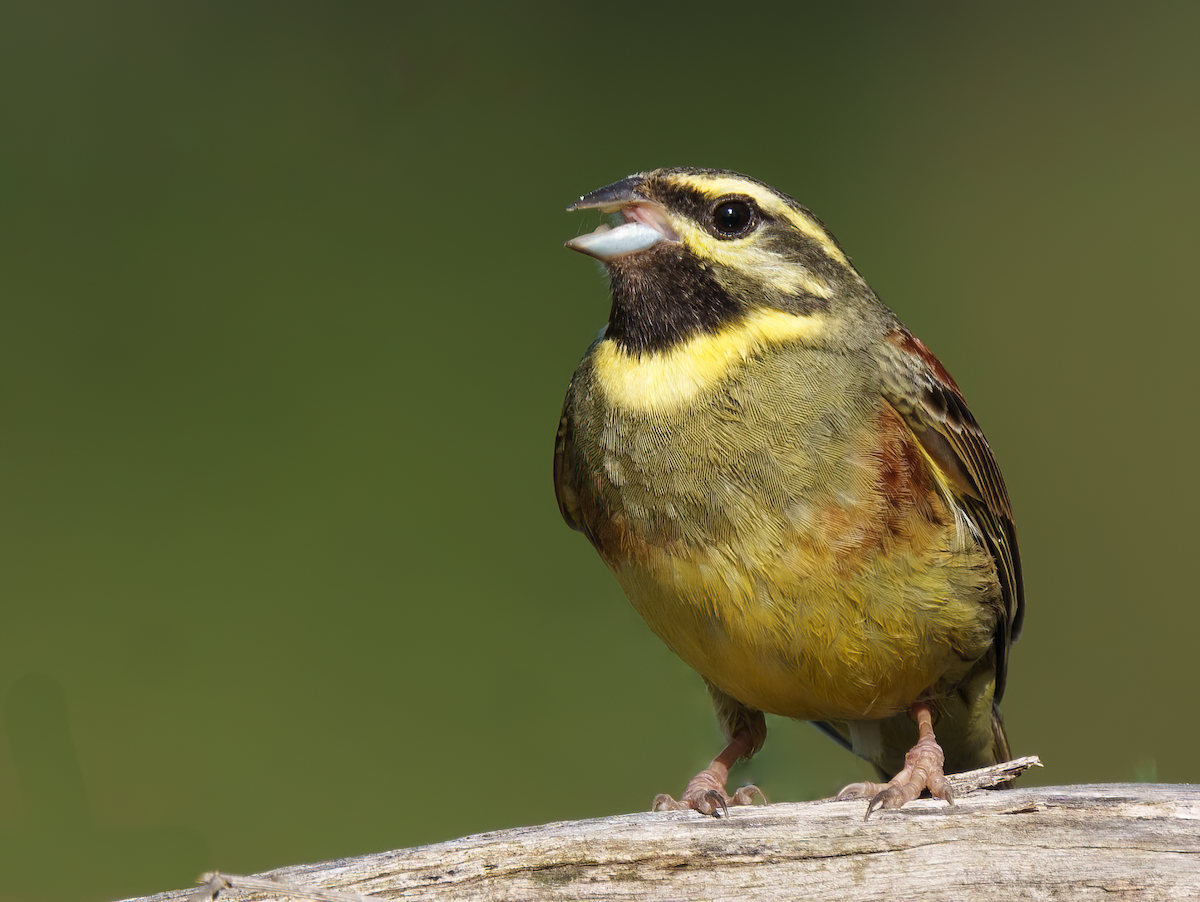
x=1113 y=841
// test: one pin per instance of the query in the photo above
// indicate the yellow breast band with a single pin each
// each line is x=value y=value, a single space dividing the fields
x=667 y=380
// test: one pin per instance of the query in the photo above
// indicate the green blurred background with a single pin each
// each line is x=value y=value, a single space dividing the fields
x=286 y=324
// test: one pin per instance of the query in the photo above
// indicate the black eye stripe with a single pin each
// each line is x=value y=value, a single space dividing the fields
x=699 y=205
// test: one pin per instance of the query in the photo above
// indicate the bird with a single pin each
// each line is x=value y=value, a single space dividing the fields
x=789 y=487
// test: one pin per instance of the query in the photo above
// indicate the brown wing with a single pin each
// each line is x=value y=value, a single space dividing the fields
x=919 y=388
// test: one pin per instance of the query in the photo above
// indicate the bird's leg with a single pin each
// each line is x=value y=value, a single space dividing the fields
x=706 y=791
x=922 y=770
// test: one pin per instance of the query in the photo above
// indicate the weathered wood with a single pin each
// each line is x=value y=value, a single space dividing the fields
x=1126 y=841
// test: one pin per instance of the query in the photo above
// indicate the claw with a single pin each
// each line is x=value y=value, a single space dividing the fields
x=714 y=800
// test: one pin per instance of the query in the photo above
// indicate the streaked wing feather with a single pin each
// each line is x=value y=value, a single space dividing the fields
x=921 y=390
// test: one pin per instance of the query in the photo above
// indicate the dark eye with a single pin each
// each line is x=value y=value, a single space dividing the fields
x=733 y=218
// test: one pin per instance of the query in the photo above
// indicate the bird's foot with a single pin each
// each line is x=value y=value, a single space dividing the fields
x=923 y=769
x=706 y=793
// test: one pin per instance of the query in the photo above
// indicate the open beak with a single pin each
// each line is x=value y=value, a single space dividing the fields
x=645 y=222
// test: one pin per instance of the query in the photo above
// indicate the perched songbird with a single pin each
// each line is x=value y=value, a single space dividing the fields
x=789 y=487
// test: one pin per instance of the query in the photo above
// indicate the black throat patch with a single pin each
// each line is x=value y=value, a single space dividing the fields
x=662 y=297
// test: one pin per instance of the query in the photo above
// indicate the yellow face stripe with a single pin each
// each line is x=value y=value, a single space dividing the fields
x=670 y=379
x=767 y=200
x=769 y=268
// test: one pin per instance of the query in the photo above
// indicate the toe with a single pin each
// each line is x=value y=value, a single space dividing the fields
x=860 y=791
x=939 y=788
x=745 y=796
x=712 y=803
x=892 y=797
x=664 y=802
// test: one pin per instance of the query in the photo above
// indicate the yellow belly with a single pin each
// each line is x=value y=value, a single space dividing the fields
x=782 y=638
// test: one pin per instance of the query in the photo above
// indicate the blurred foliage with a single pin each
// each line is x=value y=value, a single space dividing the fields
x=286 y=324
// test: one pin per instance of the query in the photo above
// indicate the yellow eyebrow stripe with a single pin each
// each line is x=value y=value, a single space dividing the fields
x=766 y=199
x=670 y=379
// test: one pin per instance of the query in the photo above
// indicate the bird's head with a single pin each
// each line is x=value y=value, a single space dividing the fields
x=697 y=250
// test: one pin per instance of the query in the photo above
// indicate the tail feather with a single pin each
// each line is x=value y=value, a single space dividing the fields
x=999 y=738
x=1003 y=752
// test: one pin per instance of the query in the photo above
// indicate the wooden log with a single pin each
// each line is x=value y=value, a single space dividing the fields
x=1112 y=841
